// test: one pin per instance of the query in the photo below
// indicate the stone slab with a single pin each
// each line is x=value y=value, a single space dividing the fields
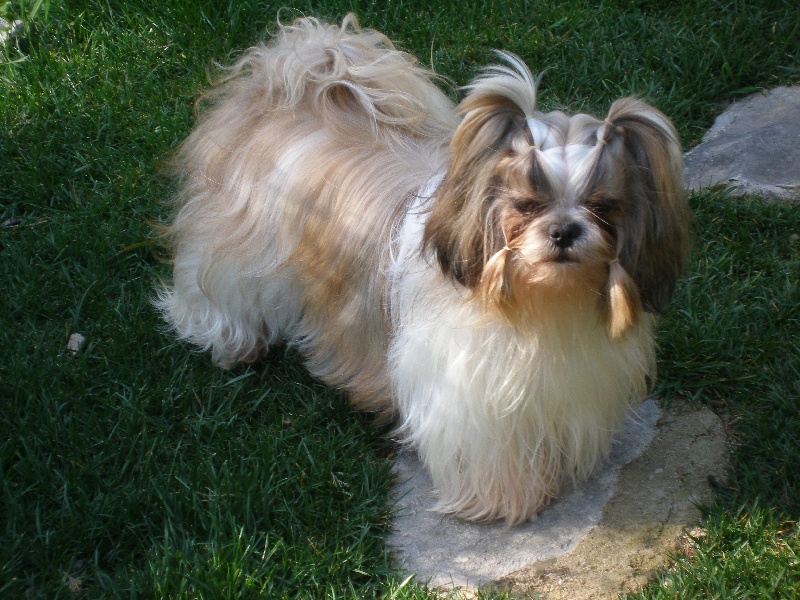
x=654 y=513
x=609 y=533
x=753 y=148
x=445 y=550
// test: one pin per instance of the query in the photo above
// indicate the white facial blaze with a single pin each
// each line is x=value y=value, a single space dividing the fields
x=567 y=170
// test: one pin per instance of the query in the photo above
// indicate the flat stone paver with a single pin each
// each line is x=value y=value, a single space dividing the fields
x=653 y=512
x=609 y=533
x=753 y=148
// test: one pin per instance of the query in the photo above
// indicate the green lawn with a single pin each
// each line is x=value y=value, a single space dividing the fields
x=134 y=468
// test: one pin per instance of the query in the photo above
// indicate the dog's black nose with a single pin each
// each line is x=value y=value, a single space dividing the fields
x=564 y=234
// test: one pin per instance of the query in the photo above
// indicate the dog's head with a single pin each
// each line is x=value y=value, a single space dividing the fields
x=546 y=201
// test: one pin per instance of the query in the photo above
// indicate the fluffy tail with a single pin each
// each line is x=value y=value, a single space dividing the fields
x=339 y=68
x=325 y=120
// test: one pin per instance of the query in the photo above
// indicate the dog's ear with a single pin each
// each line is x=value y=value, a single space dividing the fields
x=654 y=243
x=463 y=229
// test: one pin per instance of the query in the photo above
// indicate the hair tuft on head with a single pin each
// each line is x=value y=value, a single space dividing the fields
x=513 y=81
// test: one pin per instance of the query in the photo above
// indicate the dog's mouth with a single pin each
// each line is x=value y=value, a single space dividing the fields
x=564 y=256
x=555 y=256
x=583 y=254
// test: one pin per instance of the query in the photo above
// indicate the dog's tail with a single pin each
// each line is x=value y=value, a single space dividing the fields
x=344 y=74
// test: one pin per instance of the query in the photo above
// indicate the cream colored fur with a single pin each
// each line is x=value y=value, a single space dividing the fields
x=331 y=196
x=501 y=415
x=291 y=185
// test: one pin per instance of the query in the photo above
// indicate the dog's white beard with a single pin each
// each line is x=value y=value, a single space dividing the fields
x=500 y=416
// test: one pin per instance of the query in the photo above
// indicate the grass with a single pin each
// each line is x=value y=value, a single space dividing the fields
x=133 y=468
x=732 y=341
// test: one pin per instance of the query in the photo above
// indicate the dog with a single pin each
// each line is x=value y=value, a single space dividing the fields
x=487 y=275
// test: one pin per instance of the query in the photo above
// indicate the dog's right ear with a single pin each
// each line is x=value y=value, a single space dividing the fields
x=463 y=230
x=655 y=240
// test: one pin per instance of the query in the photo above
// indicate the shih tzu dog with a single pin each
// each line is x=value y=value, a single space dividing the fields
x=485 y=274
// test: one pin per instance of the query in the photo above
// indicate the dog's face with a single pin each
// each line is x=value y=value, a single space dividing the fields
x=552 y=202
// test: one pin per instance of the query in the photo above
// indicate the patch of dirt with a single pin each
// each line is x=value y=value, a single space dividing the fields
x=653 y=514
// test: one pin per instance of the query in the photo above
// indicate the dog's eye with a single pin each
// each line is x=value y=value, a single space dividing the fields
x=528 y=206
x=601 y=206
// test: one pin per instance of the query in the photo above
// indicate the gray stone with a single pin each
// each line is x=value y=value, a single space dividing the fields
x=448 y=552
x=654 y=513
x=5 y=30
x=75 y=342
x=753 y=148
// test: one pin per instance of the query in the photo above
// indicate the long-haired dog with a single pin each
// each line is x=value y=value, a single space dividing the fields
x=486 y=274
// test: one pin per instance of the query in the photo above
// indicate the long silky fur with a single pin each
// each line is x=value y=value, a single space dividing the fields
x=290 y=186
x=502 y=416
x=333 y=197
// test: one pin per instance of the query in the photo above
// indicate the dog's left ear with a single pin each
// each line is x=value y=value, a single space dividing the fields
x=462 y=231
x=654 y=244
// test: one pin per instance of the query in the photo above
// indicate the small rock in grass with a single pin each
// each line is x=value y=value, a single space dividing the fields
x=14 y=30
x=17 y=28
x=75 y=343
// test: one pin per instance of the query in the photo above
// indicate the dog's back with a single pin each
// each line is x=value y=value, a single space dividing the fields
x=290 y=187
